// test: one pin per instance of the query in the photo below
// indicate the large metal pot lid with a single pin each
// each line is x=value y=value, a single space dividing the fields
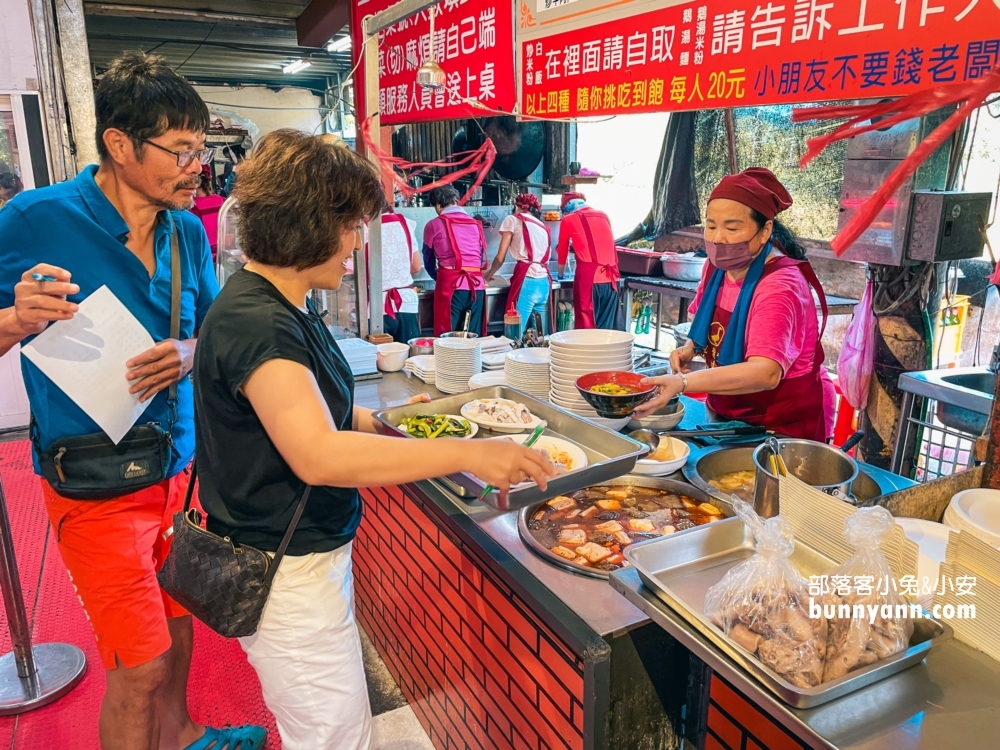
x=630 y=480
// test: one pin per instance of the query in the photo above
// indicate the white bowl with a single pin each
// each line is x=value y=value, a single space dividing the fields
x=661 y=468
x=592 y=337
x=391 y=357
x=578 y=372
x=573 y=356
x=532 y=356
x=659 y=421
x=978 y=512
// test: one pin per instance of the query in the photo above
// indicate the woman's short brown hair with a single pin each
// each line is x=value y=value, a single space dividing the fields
x=297 y=193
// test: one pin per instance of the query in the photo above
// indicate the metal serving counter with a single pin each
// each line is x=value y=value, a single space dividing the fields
x=950 y=700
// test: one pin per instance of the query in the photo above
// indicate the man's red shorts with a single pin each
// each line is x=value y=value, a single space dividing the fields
x=113 y=549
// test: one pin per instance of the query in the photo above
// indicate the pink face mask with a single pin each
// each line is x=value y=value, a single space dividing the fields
x=734 y=256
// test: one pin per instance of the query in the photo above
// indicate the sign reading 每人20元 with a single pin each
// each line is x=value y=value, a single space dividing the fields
x=742 y=53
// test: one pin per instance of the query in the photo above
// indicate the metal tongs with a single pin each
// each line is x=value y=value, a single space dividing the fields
x=778 y=467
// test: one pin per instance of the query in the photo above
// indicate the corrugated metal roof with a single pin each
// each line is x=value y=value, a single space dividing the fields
x=209 y=45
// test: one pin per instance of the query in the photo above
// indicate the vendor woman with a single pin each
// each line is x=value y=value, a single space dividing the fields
x=530 y=244
x=455 y=256
x=755 y=318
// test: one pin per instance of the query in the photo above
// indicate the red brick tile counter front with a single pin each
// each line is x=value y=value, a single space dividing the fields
x=487 y=661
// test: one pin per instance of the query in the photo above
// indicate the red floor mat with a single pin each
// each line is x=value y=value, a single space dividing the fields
x=222 y=689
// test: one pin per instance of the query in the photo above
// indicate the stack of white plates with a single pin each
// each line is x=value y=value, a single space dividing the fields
x=494 y=345
x=528 y=371
x=581 y=352
x=455 y=361
x=976 y=512
x=422 y=366
x=494 y=361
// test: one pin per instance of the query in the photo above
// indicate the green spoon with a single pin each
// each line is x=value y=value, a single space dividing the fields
x=527 y=444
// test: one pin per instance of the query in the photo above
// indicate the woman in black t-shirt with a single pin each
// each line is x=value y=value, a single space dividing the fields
x=275 y=408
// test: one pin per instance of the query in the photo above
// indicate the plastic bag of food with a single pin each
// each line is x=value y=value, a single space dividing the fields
x=869 y=630
x=762 y=604
x=857 y=355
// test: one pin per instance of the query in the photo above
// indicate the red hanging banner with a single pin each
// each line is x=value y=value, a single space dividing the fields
x=474 y=43
x=743 y=53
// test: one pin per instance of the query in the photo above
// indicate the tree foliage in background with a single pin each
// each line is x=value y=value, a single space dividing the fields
x=6 y=152
x=766 y=137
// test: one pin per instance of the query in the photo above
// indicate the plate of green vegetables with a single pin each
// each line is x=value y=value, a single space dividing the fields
x=427 y=426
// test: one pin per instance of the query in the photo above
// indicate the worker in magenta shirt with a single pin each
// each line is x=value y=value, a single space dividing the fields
x=455 y=256
x=595 y=283
x=755 y=318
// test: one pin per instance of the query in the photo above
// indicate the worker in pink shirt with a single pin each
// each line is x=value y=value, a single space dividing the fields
x=755 y=318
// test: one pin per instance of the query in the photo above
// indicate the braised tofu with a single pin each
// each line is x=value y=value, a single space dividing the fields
x=590 y=511
x=572 y=537
x=667 y=530
x=710 y=509
x=581 y=560
x=561 y=502
x=621 y=494
x=608 y=504
x=623 y=538
x=609 y=527
x=641 y=524
x=563 y=552
x=593 y=552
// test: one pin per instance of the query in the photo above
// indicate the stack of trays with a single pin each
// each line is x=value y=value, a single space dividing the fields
x=528 y=371
x=455 y=361
x=422 y=366
x=360 y=355
x=581 y=352
x=970 y=575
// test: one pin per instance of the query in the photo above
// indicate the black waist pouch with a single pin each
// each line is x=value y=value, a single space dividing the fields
x=91 y=467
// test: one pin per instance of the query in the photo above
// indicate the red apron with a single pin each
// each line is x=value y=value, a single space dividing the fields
x=586 y=271
x=393 y=299
x=795 y=407
x=450 y=279
x=521 y=268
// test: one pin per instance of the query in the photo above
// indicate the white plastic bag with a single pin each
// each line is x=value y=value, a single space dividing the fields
x=866 y=635
x=857 y=356
x=762 y=604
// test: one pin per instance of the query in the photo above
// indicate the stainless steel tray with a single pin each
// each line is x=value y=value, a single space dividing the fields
x=681 y=488
x=681 y=567
x=609 y=454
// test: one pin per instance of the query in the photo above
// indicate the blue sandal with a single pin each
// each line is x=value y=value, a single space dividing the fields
x=247 y=737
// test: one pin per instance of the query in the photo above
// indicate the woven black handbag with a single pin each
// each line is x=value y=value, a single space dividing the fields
x=222 y=583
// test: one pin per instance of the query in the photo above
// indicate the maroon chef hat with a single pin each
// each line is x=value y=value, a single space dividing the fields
x=757 y=188
x=527 y=202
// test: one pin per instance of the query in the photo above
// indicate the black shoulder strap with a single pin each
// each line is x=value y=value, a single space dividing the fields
x=175 y=313
x=285 y=540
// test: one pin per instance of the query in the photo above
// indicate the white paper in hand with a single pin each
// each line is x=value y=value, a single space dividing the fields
x=86 y=357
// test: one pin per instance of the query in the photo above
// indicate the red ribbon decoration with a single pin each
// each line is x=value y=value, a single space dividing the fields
x=478 y=162
x=971 y=95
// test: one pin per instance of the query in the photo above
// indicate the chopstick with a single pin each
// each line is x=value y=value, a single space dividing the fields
x=527 y=444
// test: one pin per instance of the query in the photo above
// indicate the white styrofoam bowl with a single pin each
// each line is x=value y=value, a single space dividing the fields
x=978 y=512
x=591 y=337
x=659 y=421
x=650 y=468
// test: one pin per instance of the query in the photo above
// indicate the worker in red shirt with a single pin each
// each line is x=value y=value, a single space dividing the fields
x=595 y=283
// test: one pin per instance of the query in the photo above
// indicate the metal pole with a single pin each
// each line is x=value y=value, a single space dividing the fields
x=13 y=599
x=29 y=677
x=78 y=80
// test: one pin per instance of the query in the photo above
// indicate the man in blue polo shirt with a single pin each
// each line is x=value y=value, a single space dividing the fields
x=113 y=225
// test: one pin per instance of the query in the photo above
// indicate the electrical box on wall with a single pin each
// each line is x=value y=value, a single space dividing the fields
x=944 y=225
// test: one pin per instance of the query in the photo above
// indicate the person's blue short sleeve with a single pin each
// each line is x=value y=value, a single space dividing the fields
x=15 y=239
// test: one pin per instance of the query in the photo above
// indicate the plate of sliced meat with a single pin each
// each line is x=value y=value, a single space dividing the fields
x=500 y=415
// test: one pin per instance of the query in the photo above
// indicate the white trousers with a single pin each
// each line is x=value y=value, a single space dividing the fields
x=307 y=654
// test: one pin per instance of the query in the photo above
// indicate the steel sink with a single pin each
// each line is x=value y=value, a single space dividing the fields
x=964 y=396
